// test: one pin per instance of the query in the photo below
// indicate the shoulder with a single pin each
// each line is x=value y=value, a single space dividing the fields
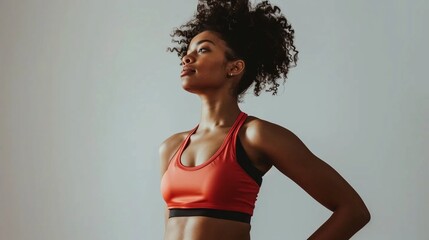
x=172 y=142
x=169 y=147
x=269 y=138
x=258 y=131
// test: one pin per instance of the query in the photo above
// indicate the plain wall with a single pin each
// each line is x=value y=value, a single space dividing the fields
x=88 y=92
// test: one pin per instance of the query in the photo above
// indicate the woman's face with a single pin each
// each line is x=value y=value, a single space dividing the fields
x=204 y=67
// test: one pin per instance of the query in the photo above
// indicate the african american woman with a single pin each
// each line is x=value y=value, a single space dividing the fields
x=211 y=175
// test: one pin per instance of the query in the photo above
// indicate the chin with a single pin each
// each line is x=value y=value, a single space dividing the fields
x=189 y=89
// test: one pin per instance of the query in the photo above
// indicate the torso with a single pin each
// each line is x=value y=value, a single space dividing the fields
x=205 y=228
x=203 y=146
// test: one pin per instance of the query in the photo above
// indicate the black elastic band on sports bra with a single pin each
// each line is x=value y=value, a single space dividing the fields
x=245 y=163
x=214 y=213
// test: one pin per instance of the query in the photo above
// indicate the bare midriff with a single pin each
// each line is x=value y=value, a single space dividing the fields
x=205 y=228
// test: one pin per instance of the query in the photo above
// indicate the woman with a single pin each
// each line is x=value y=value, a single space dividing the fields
x=211 y=175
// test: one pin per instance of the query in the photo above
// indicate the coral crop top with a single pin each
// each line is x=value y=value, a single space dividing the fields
x=225 y=186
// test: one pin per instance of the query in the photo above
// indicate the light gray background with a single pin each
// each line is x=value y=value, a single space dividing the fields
x=88 y=92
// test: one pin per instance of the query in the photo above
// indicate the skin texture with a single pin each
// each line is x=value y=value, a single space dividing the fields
x=265 y=143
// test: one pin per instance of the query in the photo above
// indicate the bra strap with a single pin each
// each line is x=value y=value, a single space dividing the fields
x=241 y=120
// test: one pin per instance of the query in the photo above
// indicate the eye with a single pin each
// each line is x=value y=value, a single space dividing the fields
x=202 y=50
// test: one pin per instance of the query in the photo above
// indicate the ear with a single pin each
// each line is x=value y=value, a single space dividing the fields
x=236 y=67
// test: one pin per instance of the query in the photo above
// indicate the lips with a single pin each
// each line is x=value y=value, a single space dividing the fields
x=187 y=71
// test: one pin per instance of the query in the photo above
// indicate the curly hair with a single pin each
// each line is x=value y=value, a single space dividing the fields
x=260 y=36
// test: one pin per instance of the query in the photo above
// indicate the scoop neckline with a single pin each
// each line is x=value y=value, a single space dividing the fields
x=218 y=151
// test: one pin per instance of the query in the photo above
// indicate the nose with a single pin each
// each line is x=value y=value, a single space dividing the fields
x=187 y=59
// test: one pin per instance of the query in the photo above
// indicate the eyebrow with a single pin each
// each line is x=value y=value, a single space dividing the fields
x=205 y=40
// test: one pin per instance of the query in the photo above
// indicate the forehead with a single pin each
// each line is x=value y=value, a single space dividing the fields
x=207 y=35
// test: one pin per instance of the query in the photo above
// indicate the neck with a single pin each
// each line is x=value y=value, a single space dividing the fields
x=218 y=112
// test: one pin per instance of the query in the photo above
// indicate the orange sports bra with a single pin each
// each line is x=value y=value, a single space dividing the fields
x=225 y=186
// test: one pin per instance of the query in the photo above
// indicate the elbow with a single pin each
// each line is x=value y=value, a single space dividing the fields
x=361 y=215
x=366 y=216
x=358 y=215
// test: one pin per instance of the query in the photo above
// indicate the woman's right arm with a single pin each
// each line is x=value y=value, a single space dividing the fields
x=166 y=151
x=163 y=153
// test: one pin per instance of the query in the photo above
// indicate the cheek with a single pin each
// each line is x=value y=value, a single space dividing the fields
x=214 y=68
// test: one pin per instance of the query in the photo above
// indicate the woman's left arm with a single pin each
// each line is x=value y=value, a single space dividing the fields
x=289 y=154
